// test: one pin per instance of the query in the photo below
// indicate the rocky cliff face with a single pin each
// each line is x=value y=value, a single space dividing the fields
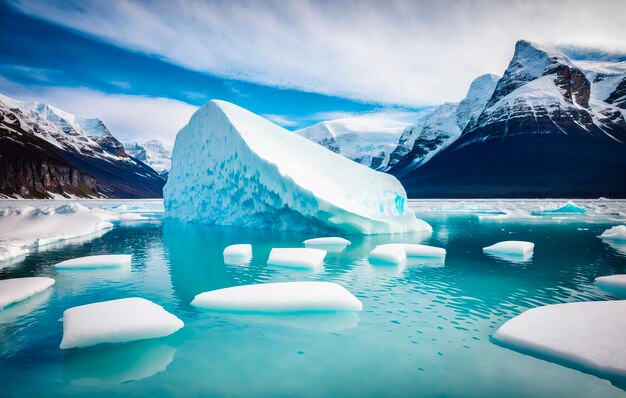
x=541 y=134
x=45 y=151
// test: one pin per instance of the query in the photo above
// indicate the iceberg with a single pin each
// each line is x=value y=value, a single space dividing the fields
x=301 y=258
x=420 y=251
x=588 y=336
x=569 y=207
x=617 y=233
x=19 y=289
x=614 y=284
x=388 y=254
x=328 y=241
x=280 y=297
x=92 y=262
x=511 y=248
x=232 y=167
x=239 y=250
x=116 y=321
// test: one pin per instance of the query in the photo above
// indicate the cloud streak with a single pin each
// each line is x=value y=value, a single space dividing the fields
x=128 y=117
x=409 y=53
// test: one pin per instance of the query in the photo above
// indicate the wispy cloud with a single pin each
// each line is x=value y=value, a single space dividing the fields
x=129 y=117
x=409 y=53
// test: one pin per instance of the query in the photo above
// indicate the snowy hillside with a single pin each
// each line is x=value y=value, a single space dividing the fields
x=46 y=151
x=153 y=153
x=546 y=131
x=232 y=167
x=368 y=140
x=437 y=130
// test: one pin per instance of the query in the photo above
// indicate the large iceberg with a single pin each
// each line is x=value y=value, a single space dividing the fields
x=232 y=167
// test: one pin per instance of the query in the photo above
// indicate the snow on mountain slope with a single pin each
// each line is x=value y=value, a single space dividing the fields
x=153 y=153
x=232 y=167
x=541 y=134
x=608 y=81
x=435 y=131
x=47 y=150
x=368 y=140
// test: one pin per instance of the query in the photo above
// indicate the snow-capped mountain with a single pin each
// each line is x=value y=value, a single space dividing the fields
x=545 y=131
x=608 y=81
x=440 y=128
x=46 y=151
x=153 y=153
x=368 y=140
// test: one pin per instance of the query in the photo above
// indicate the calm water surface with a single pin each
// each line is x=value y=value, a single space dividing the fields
x=425 y=329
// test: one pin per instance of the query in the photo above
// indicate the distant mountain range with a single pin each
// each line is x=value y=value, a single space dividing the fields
x=153 y=153
x=549 y=127
x=46 y=152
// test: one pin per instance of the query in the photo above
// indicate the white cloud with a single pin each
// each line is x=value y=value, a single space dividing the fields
x=409 y=53
x=128 y=117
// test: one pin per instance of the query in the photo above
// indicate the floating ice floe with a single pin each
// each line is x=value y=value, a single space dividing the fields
x=511 y=250
x=614 y=284
x=425 y=251
x=239 y=250
x=24 y=228
x=269 y=177
x=388 y=254
x=91 y=262
x=280 y=297
x=617 y=233
x=568 y=208
x=19 y=289
x=116 y=321
x=300 y=258
x=331 y=242
x=588 y=336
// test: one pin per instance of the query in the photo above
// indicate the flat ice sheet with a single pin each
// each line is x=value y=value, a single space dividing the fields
x=415 y=250
x=19 y=289
x=588 y=335
x=102 y=261
x=327 y=241
x=280 y=297
x=511 y=248
x=116 y=321
x=301 y=258
x=614 y=284
x=388 y=254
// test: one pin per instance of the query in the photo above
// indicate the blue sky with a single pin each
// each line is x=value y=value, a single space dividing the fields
x=144 y=66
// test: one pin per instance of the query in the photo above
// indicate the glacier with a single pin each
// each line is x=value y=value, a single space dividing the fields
x=232 y=167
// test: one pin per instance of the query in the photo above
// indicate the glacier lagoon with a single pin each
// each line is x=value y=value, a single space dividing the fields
x=425 y=329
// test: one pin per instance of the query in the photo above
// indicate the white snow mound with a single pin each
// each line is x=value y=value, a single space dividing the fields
x=301 y=258
x=19 y=289
x=511 y=247
x=587 y=335
x=615 y=284
x=280 y=297
x=268 y=177
x=102 y=261
x=116 y=321
x=243 y=250
x=569 y=207
x=388 y=254
x=616 y=233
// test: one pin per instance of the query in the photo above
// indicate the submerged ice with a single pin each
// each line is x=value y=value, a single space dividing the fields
x=232 y=167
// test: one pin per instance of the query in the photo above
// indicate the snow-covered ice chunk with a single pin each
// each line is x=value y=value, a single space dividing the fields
x=301 y=258
x=116 y=321
x=388 y=254
x=11 y=251
x=614 y=284
x=280 y=297
x=569 y=207
x=511 y=248
x=415 y=250
x=617 y=233
x=238 y=250
x=588 y=336
x=327 y=241
x=102 y=261
x=269 y=177
x=19 y=289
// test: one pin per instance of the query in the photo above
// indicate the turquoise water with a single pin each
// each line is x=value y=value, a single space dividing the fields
x=425 y=329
